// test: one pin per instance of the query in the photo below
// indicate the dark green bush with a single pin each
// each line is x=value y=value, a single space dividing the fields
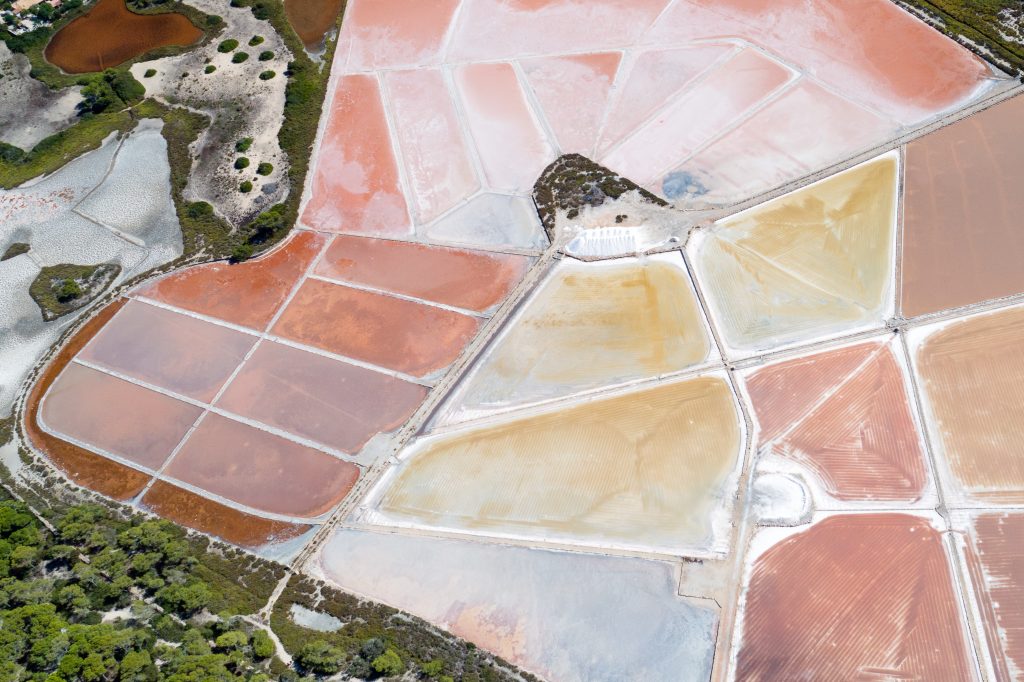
x=239 y=57
x=265 y=168
x=267 y=75
x=227 y=45
x=210 y=68
x=243 y=145
x=266 y=56
x=241 y=162
x=149 y=73
x=245 y=187
x=255 y=40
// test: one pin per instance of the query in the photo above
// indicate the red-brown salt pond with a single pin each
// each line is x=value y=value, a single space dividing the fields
x=245 y=530
x=653 y=79
x=698 y=116
x=246 y=294
x=996 y=561
x=81 y=466
x=390 y=332
x=474 y=280
x=845 y=415
x=110 y=34
x=962 y=236
x=394 y=33
x=260 y=470
x=573 y=91
x=513 y=149
x=436 y=157
x=355 y=187
x=971 y=378
x=140 y=425
x=502 y=29
x=804 y=130
x=312 y=19
x=855 y=597
x=331 y=402
x=172 y=351
x=870 y=51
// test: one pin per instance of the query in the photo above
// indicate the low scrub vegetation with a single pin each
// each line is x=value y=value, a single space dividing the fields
x=61 y=289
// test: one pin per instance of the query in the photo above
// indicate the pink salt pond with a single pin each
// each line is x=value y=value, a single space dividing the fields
x=260 y=470
x=116 y=416
x=474 y=280
x=512 y=145
x=356 y=187
x=172 y=351
x=437 y=158
x=334 y=403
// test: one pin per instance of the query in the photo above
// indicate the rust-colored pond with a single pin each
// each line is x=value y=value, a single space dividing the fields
x=110 y=34
x=312 y=19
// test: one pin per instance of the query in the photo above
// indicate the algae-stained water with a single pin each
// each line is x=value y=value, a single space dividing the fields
x=564 y=616
x=110 y=34
x=593 y=324
x=814 y=262
x=312 y=19
x=647 y=469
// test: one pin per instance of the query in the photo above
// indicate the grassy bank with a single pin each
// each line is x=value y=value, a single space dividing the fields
x=978 y=21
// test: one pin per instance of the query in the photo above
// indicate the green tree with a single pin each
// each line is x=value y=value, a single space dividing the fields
x=227 y=45
x=262 y=645
x=320 y=657
x=185 y=599
x=388 y=663
x=68 y=290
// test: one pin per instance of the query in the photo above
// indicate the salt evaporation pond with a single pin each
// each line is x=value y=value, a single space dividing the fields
x=563 y=616
x=590 y=325
x=648 y=470
x=845 y=415
x=806 y=265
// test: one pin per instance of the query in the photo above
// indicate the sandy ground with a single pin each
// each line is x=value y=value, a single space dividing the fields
x=241 y=106
x=30 y=111
x=48 y=215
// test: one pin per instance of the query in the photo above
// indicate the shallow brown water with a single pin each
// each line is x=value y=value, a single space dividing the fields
x=312 y=19
x=109 y=34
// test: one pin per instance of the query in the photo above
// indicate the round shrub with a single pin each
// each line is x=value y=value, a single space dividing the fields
x=239 y=57
x=267 y=75
x=241 y=162
x=149 y=73
x=210 y=68
x=243 y=145
x=266 y=56
x=255 y=40
x=227 y=45
x=245 y=187
x=265 y=168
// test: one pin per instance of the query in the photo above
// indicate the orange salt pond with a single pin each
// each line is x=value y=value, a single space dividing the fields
x=591 y=325
x=260 y=470
x=331 y=402
x=474 y=280
x=512 y=146
x=971 y=379
x=867 y=596
x=110 y=34
x=962 y=237
x=116 y=416
x=572 y=92
x=995 y=558
x=845 y=415
x=647 y=470
x=169 y=350
x=812 y=263
x=246 y=294
x=355 y=185
x=437 y=158
x=394 y=333
x=245 y=530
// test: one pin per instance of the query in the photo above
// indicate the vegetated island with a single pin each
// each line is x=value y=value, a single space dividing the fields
x=61 y=289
